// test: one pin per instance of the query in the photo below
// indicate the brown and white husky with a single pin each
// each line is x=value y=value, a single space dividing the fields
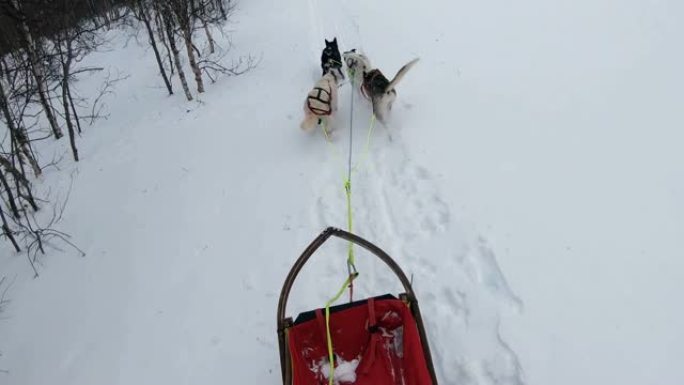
x=373 y=84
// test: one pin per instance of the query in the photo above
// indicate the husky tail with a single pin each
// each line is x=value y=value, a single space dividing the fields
x=401 y=74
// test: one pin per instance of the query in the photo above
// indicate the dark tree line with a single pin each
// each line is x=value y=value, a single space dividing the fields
x=42 y=43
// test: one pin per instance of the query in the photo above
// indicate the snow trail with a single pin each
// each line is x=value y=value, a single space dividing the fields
x=531 y=188
x=397 y=204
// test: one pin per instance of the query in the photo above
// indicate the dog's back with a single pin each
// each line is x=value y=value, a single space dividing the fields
x=381 y=90
x=319 y=99
x=375 y=83
x=320 y=102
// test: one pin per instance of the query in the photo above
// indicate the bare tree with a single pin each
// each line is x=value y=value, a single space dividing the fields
x=159 y=24
x=142 y=15
x=66 y=58
x=72 y=42
x=185 y=17
x=34 y=51
x=7 y=232
x=22 y=185
x=18 y=134
x=42 y=45
x=169 y=25
x=10 y=196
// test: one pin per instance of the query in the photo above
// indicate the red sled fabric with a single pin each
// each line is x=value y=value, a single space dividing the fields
x=375 y=342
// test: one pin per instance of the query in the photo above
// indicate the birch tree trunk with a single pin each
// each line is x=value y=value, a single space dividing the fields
x=168 y=26
x=10 y=197
x=7 y=232
x=150 y=34
x=191 y=58
x=65 y=58
x=19 y=136
x=212 y=47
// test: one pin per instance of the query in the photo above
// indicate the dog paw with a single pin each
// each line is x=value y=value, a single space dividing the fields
x=330 y=134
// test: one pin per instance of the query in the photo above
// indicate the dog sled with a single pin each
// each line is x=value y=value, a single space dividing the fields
x=379 y=340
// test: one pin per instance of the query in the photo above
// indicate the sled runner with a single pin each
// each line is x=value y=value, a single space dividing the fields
x=376 y=341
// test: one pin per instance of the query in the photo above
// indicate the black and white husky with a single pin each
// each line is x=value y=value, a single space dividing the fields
x=373 y=84
x=331 y=60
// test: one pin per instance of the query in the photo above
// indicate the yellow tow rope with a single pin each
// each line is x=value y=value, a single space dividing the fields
x=350 y=256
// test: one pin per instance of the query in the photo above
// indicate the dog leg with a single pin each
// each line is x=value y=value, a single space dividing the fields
x=333 y=101
x=379 y=110
x=328 y=127
x=309 y=122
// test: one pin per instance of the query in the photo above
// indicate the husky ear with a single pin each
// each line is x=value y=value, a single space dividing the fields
x=327 y=42
x=334 y=41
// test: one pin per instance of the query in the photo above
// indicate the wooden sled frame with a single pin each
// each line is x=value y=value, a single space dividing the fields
x=284 y=322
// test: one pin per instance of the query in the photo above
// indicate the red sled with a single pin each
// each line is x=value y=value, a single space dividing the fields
x=376 y=341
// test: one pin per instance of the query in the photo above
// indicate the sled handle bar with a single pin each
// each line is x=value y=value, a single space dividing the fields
x=284 y=323
x=318 y=242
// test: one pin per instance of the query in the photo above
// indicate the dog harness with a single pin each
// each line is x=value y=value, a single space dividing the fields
x=319 y=101
x=374 y=83
x=334 y=68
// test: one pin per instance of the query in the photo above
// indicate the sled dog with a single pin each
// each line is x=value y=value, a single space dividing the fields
x=381 y=91
x=373 y=84
x=357 y=64
x=331 y=61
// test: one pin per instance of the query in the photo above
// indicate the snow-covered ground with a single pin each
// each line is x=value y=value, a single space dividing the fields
x=532 y=187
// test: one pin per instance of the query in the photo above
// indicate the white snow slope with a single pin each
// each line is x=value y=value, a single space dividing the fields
x=532 y=187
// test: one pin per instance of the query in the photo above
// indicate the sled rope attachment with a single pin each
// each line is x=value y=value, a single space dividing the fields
x=351 y=267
